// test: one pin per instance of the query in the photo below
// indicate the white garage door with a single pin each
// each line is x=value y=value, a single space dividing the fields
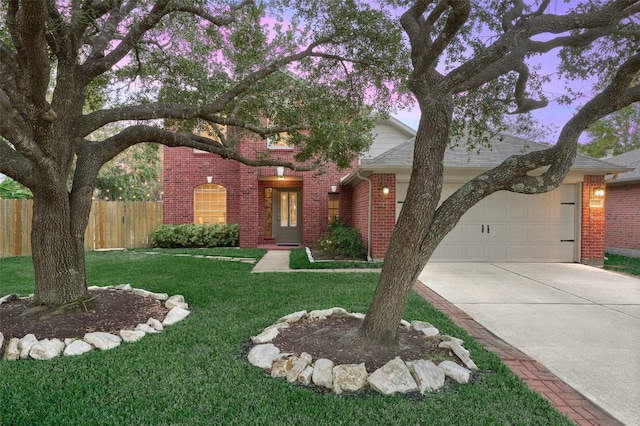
x=508 y=227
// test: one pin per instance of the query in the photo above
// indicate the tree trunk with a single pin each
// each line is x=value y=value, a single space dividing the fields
x=58 y=254
x=409 y=248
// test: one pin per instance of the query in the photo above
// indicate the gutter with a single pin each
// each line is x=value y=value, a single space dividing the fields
x=370 y=208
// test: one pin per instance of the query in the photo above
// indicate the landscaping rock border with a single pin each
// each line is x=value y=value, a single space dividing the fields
x=28 y=347
x=396 y=376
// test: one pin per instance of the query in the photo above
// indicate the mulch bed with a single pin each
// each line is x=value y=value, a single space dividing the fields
x=325 y=338
x=108 y=310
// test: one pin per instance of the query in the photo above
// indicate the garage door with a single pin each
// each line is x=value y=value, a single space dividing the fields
x=508 y=227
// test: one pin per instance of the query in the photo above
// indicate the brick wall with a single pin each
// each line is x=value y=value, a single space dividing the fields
x=622 y=231
x=360 y=203
x=593 y=224
x=185 y=169
x=383 y=212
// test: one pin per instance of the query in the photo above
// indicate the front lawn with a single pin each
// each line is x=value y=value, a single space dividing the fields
x=628 y=265
x=196 y=371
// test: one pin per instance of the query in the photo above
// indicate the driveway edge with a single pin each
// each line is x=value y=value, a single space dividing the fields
x=537 y=377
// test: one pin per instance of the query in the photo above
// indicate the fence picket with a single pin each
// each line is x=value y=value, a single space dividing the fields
x=112 y=224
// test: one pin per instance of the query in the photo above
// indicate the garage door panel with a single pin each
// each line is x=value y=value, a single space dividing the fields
x=517 y=227
x=517 y=213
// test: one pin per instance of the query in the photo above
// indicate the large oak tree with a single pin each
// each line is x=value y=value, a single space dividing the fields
x=161 y=70
x=472 y=64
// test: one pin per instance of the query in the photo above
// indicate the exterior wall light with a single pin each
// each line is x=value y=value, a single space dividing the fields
x=209 y=179
x=334 y=188
x=598 y=192
x=280 y=171
x=385 y=190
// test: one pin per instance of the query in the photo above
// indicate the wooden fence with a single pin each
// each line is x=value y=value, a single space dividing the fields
x=112 y=224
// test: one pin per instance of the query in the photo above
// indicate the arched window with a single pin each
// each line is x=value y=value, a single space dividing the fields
x=210 y=204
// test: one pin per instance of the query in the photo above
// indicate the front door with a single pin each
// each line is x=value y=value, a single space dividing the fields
x=287 y=225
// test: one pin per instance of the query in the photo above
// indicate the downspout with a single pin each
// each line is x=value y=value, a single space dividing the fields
x=370 y=208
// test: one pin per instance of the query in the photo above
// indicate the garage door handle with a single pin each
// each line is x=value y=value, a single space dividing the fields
x=488 y=229
x=483 y=229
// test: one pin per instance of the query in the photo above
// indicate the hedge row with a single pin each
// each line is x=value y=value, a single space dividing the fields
x=190 y=235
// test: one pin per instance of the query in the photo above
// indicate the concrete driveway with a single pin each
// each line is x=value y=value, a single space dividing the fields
x=580 y=322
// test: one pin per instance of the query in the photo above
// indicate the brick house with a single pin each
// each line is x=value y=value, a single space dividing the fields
x=622 y=230
x=289 y=208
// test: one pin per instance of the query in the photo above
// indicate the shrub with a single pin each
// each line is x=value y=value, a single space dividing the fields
x=190 y=235
x=341 y=239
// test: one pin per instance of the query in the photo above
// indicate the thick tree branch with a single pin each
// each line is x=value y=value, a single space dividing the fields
x=110 y=147
x=512 y=174
x=523 y=103
x=15 y=165
x=33 y=34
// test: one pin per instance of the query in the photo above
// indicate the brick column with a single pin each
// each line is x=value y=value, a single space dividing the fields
x=593 y=220
x=384 y=213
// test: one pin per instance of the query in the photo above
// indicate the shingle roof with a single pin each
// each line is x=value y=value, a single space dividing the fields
x=501 y=148
x=629 y=159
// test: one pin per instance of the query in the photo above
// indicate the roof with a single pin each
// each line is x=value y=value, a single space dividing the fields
x=502 y=147
x=629 y=159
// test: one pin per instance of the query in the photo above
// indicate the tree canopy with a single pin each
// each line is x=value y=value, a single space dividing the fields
x=157 y=71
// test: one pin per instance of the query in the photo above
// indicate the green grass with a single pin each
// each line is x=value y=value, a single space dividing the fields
x=299 y=260
x=628 y=265
x=196 y=371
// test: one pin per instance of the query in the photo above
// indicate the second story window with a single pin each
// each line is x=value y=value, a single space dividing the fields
x=279 y=141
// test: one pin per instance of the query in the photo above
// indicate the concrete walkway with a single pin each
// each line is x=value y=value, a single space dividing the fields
x=581 y=323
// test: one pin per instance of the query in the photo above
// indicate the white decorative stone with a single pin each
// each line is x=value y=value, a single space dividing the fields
x=279 y=326
x=405 y=323
x=77 y=347
x=447 y=338
x=298 y=367
x=69 y=340
x=131 y=336
x=12 y=353
x=357 y=315
x=393 y=377
x=430 y=332
x=460 y=352
x=266 y=336
x=175 y=300
x=420 y=325
x=102 y=341
x=94 y=287
x=9 y=298
x=294 y=317
x=427 y=375
x=1 y=343
x=155 y=324
x=160 y=296
x=262 y=356
x=455 y=371
x=175 y=314
x=47 y=349
x=125 y=287
x=323 y=373
x=349 y=378
x=281 y=366
x=25 y=345
x=141 y=292
x=305 y=376
x=146 y=328
x=320 y=313
x=339 y=313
